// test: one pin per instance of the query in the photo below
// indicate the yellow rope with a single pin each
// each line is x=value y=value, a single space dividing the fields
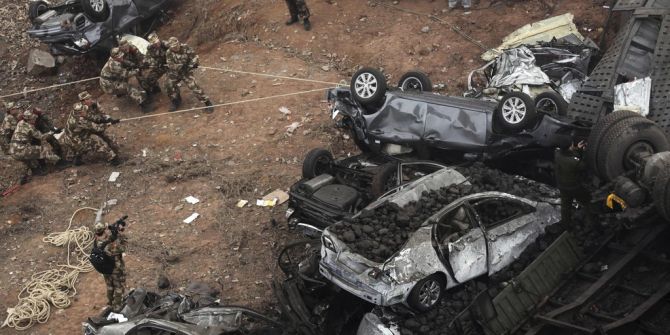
x=56 y=286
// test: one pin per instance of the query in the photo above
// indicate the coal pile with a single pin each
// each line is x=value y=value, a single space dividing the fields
x=377 y=234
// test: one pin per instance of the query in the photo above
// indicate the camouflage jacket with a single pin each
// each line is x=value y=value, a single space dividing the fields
x=80 y=124
x=133 y=58
x=25 y=133
x=116 y=71
x=8 y=127
x=155 y=57
x=183 y=62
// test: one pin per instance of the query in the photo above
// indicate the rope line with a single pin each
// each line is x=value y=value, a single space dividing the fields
x=48 y=87
x=268 y=75
x=55 y=286
x=223 y=104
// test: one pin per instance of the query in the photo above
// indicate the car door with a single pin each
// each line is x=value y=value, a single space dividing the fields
x=398 y=121
x=509 y=225
x=455 y=128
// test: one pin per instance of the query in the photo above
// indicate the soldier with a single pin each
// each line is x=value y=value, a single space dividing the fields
x=154 y=63
x=298 y=9
x=12 y=116
x=181 y=61
x=85 y=131
x=570 y=170
x=114 y=79
x=466 y=4
x=114 y=246
x=23 y=146
x=133 y=58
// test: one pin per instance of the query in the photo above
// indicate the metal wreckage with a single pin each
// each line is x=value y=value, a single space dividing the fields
x=424 y=233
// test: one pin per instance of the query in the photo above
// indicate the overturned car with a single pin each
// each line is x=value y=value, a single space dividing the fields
x=81 y=26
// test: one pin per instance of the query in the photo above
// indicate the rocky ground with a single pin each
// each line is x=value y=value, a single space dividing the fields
x=240 y=151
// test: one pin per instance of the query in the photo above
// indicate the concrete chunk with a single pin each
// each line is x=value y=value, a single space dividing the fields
x=40 y=62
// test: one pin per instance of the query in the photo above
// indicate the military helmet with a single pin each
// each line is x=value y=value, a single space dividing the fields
x=29 y=116
x=173 y=43
x=116 y=53
x=153 y=38
x=85 y=96
x=99 y=228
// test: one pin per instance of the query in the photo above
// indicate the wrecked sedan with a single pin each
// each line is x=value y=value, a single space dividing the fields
x=436 y=126
x=82 y=26
x=331 y=190
x=453 y=240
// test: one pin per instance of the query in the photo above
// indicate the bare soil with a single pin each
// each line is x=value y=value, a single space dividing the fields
x=241 y=151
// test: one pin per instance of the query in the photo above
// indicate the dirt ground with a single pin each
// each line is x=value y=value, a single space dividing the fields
x=240 y=151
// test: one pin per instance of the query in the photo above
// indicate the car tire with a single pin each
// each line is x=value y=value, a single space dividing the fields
x=661 y=193
x=37 y=8
x=368 y=86
x=427 y=293
x=551 y=103
x=621 y=141
x=96 y=10
x=384 y=180
x=597 y=132
x=316 y=162
x=515 y=112
x=415 y=81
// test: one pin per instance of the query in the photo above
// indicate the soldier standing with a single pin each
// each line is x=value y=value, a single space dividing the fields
x=8 y=126
x=24 y=149
x=114 y=246
x=85 y=131
x=114 y=79
x=570 y=171
x=181 y=61
x=155 y=64
x=298 y=9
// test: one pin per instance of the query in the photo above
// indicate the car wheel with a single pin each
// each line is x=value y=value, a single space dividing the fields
x=415 y=81
x=515 y=112
x=551 y=103
x=37 y=8
x=597 y=132
x=316 y=163
x=626 y=140
x=384 y=180
x=661 y=193
x=427 y=293
x=368 y=86
x=96 y=10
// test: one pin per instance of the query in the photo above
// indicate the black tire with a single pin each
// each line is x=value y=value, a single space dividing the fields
x=415 y=81
x=596 y=135
x=368 y=86
x=37 y=8
x=384 y=180
x=96 y=10
x=316 y=163
x=515 y=112
x=620 y=143
x=414 y=300
x=661 y=193
x=551 y=103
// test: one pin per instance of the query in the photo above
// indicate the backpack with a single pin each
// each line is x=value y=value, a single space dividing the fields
x=101 y=261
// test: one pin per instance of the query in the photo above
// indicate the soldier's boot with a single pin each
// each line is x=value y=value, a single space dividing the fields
x=209 y=109
x=176 y=102
x=292 y=20
x=306 y=24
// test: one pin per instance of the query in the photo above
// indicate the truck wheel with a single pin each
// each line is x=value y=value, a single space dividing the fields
x=384 y=180
x=427 y=293
x=661 y=193
x=596 y=135
x=96 y=10
x=37 y=8
x=624 y=141
x=415 y=81
x=368 y=86
x=551 y=103
x=317 y=162
x=515 y=112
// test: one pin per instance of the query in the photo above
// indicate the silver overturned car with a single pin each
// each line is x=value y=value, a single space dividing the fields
x=475 y=235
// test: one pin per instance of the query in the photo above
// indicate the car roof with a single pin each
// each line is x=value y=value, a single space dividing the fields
x=432 y=98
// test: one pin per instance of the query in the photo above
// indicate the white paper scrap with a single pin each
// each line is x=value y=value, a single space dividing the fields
x=192 y=200
x=191 y=218
x=114 y=176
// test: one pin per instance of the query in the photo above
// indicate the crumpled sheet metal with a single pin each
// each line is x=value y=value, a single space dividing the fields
x=634 y=96
x=545 y=30
x=517 y=67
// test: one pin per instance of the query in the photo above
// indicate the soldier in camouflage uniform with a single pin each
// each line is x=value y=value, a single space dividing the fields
x=12 y=116
x=298 y=9
x=133 y=58
x=85 y=131
x=114 y=79
x=24 y=145
x=155 y=64
x=181 y=61
x=116 y=282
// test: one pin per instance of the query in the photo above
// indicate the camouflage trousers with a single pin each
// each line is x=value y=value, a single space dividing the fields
x=116 y=286
x=77 y=146
x=30 y=155
x=119 y=87
x=149 y=79
x=298 y=8
x=172 y=87
x=4 y=145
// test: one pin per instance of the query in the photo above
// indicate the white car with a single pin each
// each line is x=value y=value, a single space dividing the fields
x=476 y=235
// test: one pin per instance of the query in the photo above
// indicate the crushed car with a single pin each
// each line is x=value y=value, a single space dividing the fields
x=76 y=27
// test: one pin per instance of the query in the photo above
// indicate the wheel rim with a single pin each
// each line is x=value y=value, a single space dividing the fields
x=637 y=151
x=429 y=293
x=547 y=105
x=97 y=5
x=514 y=110
x=412 y=84
x=366 y=85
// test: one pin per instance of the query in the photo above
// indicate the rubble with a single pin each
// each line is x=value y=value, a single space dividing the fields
x=40 y=62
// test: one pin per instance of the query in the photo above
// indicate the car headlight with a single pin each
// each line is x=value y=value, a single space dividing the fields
x=328 y=243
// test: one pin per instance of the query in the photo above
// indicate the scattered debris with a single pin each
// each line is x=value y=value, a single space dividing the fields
x=192 y=200
x=279 y=196
x=284 y=110
x=191 y=218
x=242 y=203
x=40 y=62
x=114 y=176
x=292 y=127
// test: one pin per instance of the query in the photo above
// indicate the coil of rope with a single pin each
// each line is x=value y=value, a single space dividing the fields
x=55 y=286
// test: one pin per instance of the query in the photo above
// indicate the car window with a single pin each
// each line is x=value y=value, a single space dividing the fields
x=453 y=225
x=493 y=212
